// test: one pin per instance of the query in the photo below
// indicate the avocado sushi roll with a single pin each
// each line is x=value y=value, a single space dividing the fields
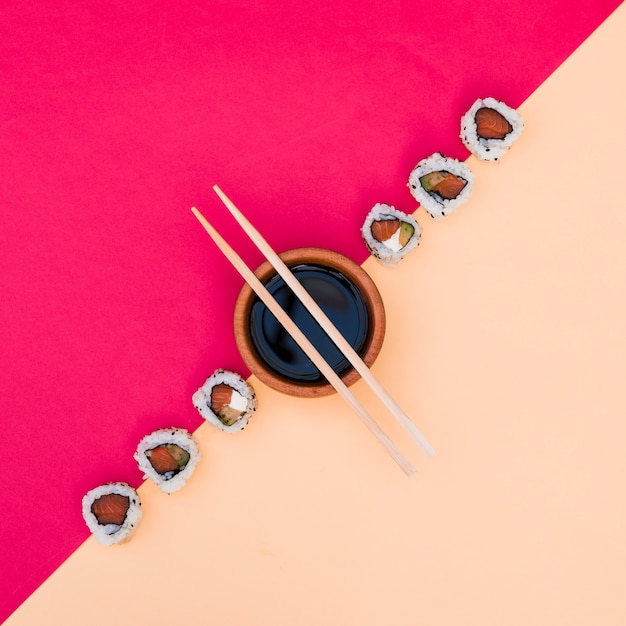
x=490 y=128
x=226 y=401
x=168 y=457
x=441 y=184
x=112 y=512
x=390 y=234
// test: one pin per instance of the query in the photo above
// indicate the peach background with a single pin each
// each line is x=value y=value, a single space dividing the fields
x=507 y=342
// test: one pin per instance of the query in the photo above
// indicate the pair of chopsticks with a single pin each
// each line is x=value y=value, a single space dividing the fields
x=325 y=323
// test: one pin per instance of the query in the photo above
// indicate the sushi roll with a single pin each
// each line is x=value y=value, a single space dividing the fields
x=390 y=234
x=226 y=401
x=112 y=512
x=441 y=184
x=490 y=128
x=168 y=457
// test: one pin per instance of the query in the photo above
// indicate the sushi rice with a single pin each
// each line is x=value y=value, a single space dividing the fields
x=170 y=481
x=246 y=400
x=436 y=206
x=111 y=534
x=490 y=149
x=389 y=252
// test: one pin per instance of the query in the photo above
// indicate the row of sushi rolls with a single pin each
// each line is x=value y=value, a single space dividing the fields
x=441 y=184
x=169 y=456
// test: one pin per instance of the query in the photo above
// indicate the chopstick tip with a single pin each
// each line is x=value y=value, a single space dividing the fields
x=428 y=450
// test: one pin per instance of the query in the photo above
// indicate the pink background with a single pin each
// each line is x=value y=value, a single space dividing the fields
x=114 y=121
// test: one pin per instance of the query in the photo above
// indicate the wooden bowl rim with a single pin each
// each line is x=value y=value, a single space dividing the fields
x=353 y=272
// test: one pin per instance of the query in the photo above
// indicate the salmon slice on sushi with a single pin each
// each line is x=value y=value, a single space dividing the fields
x=168 y=457
x=390 y=234
x=441 y=184
x=226 y=401
x=490 y=128
x=112 y=513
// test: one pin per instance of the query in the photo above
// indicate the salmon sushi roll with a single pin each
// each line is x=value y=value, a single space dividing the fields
x=226 y=401
x=390 y=234
x=490 y=128
x=168 y=457
x=112 y=512
x=441 y=184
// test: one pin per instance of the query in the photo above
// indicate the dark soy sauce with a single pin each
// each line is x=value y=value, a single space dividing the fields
x=336 y=296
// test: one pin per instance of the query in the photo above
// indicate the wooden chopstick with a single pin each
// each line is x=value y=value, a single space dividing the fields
x=302 y=341
x=329 y=328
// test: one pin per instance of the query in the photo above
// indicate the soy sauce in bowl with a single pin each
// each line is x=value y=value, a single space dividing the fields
x=336 y=295
x=342 y=289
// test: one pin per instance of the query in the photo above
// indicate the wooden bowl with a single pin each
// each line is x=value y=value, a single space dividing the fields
x=363 y=297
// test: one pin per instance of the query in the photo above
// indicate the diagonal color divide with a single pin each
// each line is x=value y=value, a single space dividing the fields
x=109 y=320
